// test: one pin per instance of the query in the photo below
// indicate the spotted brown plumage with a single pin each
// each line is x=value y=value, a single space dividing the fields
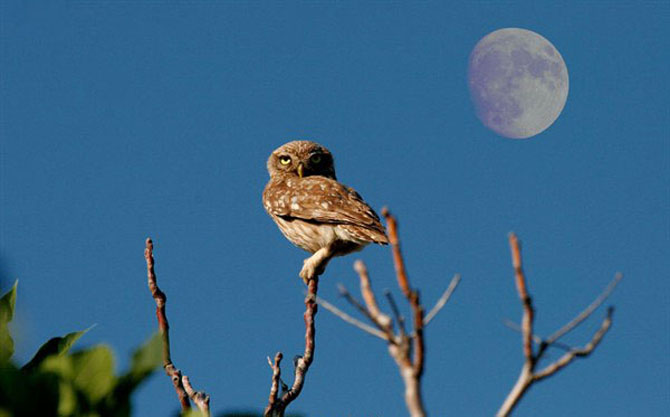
x=313 y=210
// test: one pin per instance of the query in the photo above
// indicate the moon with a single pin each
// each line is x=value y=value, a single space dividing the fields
x=518 y=82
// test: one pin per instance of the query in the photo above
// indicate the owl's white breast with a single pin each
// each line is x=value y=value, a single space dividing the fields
x=312 y=237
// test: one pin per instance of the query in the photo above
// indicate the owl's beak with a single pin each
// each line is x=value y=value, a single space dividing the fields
x=300 y=167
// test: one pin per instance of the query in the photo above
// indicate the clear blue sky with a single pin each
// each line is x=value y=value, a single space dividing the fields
x=123 y=120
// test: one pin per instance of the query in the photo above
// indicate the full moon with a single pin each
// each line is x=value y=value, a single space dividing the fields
x=518 y=82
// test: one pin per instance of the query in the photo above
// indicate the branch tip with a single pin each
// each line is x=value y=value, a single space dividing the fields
x=359 y=266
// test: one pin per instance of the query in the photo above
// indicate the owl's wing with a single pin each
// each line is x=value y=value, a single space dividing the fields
x=323 y=200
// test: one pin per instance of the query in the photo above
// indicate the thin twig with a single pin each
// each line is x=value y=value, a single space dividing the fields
x=443 y=299
x=587 y=311
x=411 y=295
x=412 y=370
x=398 y=262
x=306 y=360
x=512 y=325
x=347 y=318
x=277 y=405
x=528 y=375
x=276 y=375
x=537 y=339
x=164 y=327
x=381 y=320
x=419 y=347
x=396 y=313
x=577 y=353
x=199 y=398
x=527 y=321
x=344 y=292
x=400 y=345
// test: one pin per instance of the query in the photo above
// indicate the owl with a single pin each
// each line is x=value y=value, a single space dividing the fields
x=313 y=210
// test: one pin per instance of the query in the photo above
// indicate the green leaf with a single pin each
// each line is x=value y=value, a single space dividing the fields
x=144 y=362
x=55 y=346
x=91 y=372
x=28 y=394
x=147 y=358
x=94 y=371
x=67 y=399
x=7 y=303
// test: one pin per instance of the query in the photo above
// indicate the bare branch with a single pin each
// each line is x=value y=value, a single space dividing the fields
x=277 y=406
x=587 y=311
x=528 y=375
x=310 y=331
x=527 y=321
x=380 y=319
x=410 y=370
x=537 y=339
x=522 y=384
x=398 y=261
x=419 y=347
x=164 y=328
x=401 y=345
x=344 y=292
x=396 y=313
x=412 y=296
x=274 y=388
x=347 y=318
x=443 y=299
x=577 y=353
x=199 y=398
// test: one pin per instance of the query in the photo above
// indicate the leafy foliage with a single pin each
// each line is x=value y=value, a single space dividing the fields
x=7 y=303
x=57 y=382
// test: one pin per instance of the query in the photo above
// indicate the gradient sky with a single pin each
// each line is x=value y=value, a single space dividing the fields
x=123 y=120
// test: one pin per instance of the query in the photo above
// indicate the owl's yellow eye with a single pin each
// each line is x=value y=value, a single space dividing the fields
x=284 y=160
x=315 y=159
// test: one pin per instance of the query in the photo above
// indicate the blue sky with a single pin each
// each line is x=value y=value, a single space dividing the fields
x=123 y=120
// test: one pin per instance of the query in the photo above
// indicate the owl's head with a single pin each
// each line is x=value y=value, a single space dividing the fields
x=301 y=158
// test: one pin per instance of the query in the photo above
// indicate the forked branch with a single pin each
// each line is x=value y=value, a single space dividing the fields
x=181 y=383
x=406 y=348
x=277 y=404
x=529 y=374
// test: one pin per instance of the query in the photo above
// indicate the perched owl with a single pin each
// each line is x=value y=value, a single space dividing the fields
x=313 y=210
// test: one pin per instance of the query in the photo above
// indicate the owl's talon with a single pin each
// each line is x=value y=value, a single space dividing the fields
x=308 y=272
x=315 y=265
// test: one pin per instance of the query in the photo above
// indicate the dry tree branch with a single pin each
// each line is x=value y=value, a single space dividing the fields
x=399 y=345
x=446 y=295
x=587 y=311
x=276 y=375
x=200 y=398
x=520 y=279
x=411 y=295
x=528 y=374
x=371 y=315
x=406 y=349
x=182 y=385
x=537 y=339
x=351 y=320
x=383 y=321
x=277 y=405
x=398 y=262
x=399 y=319
x=577 y=353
